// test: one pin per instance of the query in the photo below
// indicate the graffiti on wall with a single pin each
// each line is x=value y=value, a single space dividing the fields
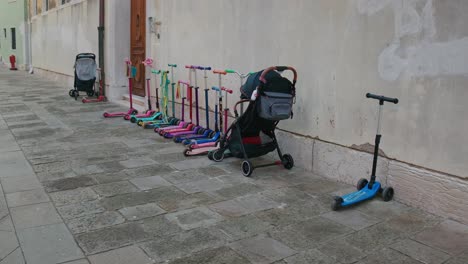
x=422 y=58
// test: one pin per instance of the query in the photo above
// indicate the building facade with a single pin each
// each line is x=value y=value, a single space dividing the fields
x=414 y=50
x=14 y=32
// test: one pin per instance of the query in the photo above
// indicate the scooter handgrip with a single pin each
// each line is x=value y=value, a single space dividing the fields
x=382 y=98
x=230 y=71
x=227 y=90
x=216 y=88
x=172 y=65
x=219 y=72
x=156 y=71
x=204 y=68
x=188 y=66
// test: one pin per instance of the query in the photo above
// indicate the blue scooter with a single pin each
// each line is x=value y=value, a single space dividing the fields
x=368 y=190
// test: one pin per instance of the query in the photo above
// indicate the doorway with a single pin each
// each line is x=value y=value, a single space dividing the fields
x=138 y=44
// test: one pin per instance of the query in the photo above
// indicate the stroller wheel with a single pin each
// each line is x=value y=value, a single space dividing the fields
x=288 y=161
x=247 y=168
x=218 y=155
x=70 y=93
x=337 y=201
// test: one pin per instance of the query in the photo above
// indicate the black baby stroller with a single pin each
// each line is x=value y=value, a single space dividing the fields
x=85 y=75
x=252 y=134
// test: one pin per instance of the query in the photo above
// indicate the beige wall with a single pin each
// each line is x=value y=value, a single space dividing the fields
x=414 y=50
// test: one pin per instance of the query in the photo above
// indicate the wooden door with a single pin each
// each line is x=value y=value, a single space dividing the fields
x=138 y=44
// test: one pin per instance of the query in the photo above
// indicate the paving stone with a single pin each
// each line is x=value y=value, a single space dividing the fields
x=94 y=221
x=449 y=236
x=256 y=202
x=289 y=214
x=193 y=163
x=235 y=191
x=48 y=244
x=460 y=259
x=310 y=233
x=261 y=249
x=379 y=236
x=8 y=142
x=18 y=184
x=319 y=186
x=148 y=171
x=27 y=197
x=80 y=261
x=54 y=170
x=208 y=185
x=68 y=183
x=309 y=257
x=287 y=195
x=111 y=166
x=73 y=196
x=15 y=257
x=34 y=215
x=212 y=171
x=233 y=179
x=159 y=226
x=352 y=218
x=341 y=251
x=114 y=188
x=194 y=218
x=412 y=222
x=223 y=255
x=14 y=164
x=388 y=256
x=80 y=209
x=82 y=169
x=230 y=208
x=6 y=224
x=137 y=198
x=111 y=237
x=186 y=202
x=125 y=255
x=183 y=244
x=148 y=183
x=382 y=210
x=103 y=178
x=420 y=252
x=243 y=227
x=137 y=163
x=8 y=243
x=141 y=211
x=178 y=177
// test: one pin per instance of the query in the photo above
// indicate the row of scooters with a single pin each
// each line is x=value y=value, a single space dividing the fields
x=198 y=139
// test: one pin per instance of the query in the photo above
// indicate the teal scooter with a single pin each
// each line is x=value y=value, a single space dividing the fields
x=368 y=189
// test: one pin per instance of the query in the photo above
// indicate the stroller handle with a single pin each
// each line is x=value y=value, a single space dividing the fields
x=239 y=102
x=280 y=69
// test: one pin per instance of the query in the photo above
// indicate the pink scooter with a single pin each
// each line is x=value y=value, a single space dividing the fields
x=150 y=112
x=188 y=125
x=131 y=73
x=204 y=148
x=182 y=123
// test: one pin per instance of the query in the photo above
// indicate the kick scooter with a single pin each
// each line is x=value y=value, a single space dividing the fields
x=100 y=94
x=368 y=189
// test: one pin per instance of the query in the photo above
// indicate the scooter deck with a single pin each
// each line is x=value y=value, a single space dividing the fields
x=361 y=195
x=149 y=118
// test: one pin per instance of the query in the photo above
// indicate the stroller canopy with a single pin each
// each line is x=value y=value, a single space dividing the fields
x=275 y=83
x=85 y=68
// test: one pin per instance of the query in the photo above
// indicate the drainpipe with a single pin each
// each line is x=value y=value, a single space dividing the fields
x=101 y=44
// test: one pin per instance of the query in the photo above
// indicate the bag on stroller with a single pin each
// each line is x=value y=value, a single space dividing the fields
x=252 y=134
x=85 y=75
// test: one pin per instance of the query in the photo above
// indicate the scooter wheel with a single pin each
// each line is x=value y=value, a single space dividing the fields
x=246 y=167
x=156 y=130
x=105 y=114
x=176 y=139
x=337 y=201
x=83 y=100
x=127 y=117
x=133 y=119
x=186 y=152
x=361 y=184
x=134 y=112
x=186 y=142
x=288 y=161
x=210 y=155
x=140 y=123
x=387 y=194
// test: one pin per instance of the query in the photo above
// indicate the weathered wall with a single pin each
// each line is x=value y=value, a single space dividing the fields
x=12 y=15
x=59 y=34
x=414 y=50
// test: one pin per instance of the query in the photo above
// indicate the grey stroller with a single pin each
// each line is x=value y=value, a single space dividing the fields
x=85 y=75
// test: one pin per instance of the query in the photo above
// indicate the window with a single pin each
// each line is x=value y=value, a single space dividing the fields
x=4 y=32
x=65 y=1
x=46 y=5
x=13 y=38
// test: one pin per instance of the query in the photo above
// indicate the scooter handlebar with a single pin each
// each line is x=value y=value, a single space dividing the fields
x=185 y=83
x=226 y=90
x=382 y=98
x=172 y=65
x=216 y=88
x=204 y=68
x=219 y=72
x=191 y=67
x=230 y=71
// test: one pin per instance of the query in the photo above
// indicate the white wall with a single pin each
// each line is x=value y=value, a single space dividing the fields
x=414 y=50
x=60 y=34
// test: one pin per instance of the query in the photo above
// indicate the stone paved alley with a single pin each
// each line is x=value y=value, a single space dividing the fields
x=76 y=188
